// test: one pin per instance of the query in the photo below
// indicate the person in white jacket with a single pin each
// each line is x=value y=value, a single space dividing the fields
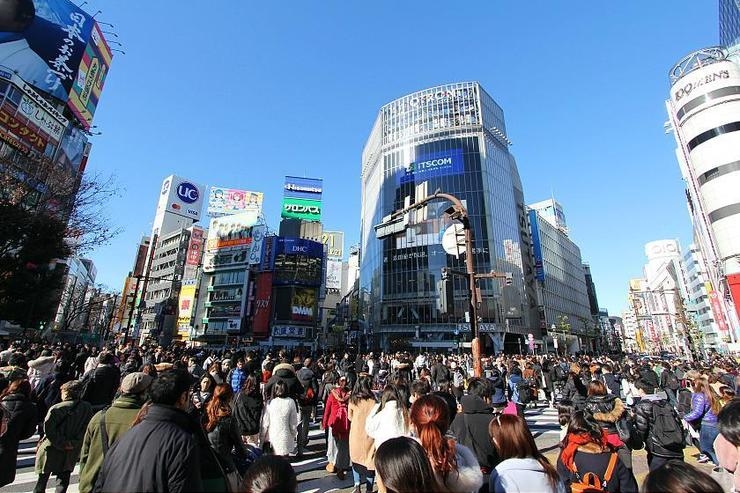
x=387 y=419
x=523 y=467
x=280 y=422
x=40 y=368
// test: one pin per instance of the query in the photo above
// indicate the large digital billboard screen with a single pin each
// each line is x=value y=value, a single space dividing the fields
x=232 y=231
x=225 y=201
x=91 y=73
x=44 y=42
x=303 y=188
x=432 y=165
x=308 y=210
x=297 y=261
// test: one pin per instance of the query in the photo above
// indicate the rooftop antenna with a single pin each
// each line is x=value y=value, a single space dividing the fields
x=109 y=32
x=119 y=51
x=105 y=24
x=96 y=13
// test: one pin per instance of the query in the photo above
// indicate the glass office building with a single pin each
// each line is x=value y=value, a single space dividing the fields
x=729 y=22
x=450 y=138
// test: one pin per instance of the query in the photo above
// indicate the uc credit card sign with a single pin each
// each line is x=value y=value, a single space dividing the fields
x=432 y=165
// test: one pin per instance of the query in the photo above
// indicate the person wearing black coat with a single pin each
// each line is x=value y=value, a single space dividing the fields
x=286 y=373
x=644 y=418
x=574 y=389
x=164 y=451
x=498 y=390
x=470 y=427
x=22 y=418
x=101 y=384
x=248 y=406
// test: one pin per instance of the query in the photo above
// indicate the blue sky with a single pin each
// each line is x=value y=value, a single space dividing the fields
x=240 y=94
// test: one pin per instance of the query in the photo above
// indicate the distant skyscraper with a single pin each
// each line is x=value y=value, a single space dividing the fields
x=729 y=22
x=552 y=212
x=450 y=138
x=562 y=290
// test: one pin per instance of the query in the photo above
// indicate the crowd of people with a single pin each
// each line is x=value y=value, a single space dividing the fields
x=189 y=419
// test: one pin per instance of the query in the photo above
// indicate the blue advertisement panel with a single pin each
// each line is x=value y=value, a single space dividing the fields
x=303 y=188
x=43 y=42
x=539 y=269
x=435 y=164
x=267 y=261
x=298 y=246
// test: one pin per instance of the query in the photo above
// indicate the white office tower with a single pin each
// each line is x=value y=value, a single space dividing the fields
x=704 y=111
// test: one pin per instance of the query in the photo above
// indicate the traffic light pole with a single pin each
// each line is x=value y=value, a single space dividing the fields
x=460 y=213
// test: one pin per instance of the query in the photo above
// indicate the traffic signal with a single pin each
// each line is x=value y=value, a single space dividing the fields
x=446 y=300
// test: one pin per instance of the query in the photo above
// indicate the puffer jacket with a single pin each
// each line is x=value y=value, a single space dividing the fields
x=606 y=410
x=643 y=420
x=22 y=420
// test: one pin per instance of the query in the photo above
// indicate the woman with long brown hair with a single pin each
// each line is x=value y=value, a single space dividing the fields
x=705 y=407
x=222 y=429
x=455 y=466
x=523 y=467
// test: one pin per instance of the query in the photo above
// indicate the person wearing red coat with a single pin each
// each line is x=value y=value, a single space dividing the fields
x=336 y=419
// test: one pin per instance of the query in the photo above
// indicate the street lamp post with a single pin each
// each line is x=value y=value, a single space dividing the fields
x=395 y=223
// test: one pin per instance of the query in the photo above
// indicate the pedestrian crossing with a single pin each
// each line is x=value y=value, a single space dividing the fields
x=310 y=468
x=542 y=420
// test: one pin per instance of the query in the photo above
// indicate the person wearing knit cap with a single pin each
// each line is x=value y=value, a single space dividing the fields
x=118 y=419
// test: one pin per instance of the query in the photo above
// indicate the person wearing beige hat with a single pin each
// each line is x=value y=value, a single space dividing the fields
x=110 y=424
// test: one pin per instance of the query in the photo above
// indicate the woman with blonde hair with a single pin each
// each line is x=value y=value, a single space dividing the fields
x=522 y=466
x=705 y=406
x=456 y=468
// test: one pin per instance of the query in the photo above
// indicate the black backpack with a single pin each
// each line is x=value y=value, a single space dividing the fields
x=666 y=429
x=560 y=373
x=525 y=391
x=672 y=380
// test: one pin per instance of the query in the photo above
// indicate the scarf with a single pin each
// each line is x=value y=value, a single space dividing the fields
x=573 y=441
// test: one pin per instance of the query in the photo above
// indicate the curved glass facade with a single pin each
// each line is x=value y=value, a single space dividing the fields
x=449 y=138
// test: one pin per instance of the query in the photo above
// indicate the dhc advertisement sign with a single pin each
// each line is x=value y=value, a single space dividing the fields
x=432 y=165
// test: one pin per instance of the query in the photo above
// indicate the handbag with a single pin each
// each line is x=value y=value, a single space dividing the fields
x=628 y=433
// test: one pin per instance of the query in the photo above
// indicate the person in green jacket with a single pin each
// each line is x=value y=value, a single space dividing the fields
x=64 y=428
x=118 y=419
